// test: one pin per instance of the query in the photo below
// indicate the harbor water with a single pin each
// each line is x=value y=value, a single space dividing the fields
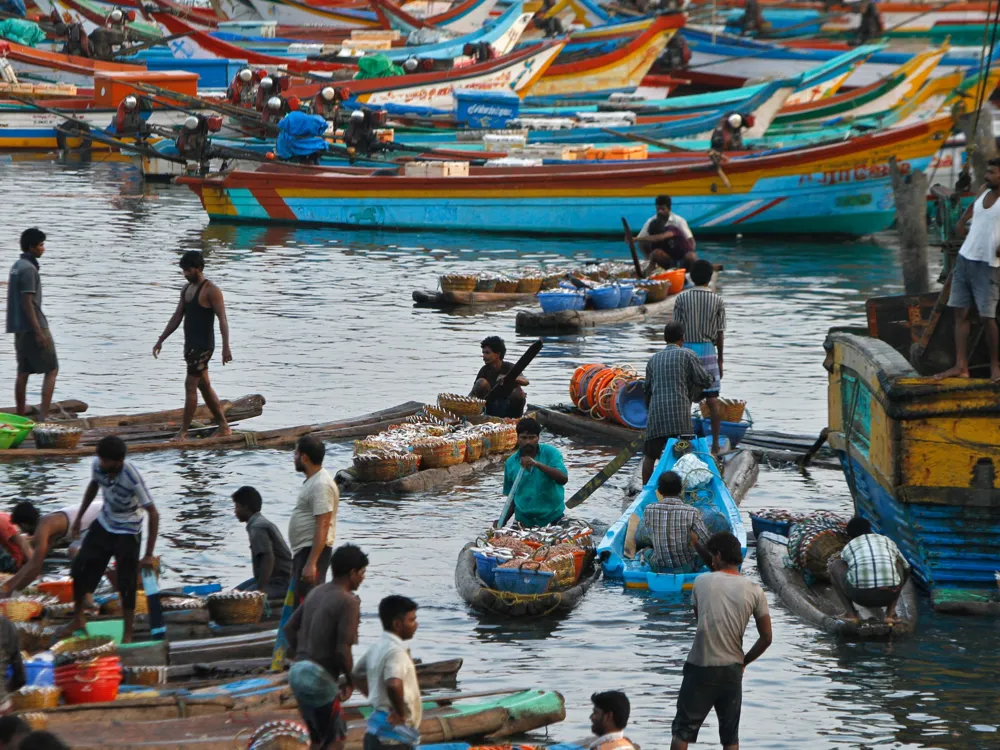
x=323 y=326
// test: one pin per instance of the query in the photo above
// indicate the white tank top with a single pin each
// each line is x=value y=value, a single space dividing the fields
x=88 y=518
x=984 y=233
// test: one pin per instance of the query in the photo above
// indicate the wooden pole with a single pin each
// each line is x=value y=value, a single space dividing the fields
x=910 y=192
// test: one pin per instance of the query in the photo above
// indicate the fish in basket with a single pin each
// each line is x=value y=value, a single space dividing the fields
x=237 y=607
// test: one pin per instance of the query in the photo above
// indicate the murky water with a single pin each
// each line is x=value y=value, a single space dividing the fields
x=323 y=326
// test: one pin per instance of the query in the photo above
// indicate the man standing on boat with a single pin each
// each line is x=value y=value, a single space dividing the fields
x=674 y=378
x=870 y=571
x=703 y=315
x=33 y=344
x=201 y=301
x=723 y=603
x=976 y=279
x=492 y=373
x=666 y=238
x=534 y=479
x=312 y=528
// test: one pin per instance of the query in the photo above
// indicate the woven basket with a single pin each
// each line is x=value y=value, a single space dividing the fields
x=37 y=722
x=436 y=412
x=113 y=606
x=562 y=565
x=84 y=648
x=505 y=286
x=437 y=453
x=504 y=440
x=730 y=410
x=463 y=406
x=656 y=291
x=279 y=735
x=529 y=285
x=149 y=676
x=458 y=283
x=386 y=467
x=35 y=698
x=817 y=553
x=172 y=604
x=21 y=610
x=237 y=607
x=473 y=448
x=33 y=637
x=551 y=281
x=486 y=285
x=53 y=435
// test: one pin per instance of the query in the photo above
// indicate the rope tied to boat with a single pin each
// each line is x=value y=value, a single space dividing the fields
x=249 y=438
x=512 y=599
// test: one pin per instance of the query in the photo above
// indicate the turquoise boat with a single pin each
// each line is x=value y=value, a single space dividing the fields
x=638 y=575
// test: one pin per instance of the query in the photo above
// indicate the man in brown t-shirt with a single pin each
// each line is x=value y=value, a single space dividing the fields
x=320 y=635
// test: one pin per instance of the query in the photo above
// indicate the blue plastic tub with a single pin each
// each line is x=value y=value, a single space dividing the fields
x=638 y=297
x=523 y=581
x=733 y=430
x=38 y=672
x=760 y=525
x=559 y=301
x=485 y=109
x=486 y=565
x=630 y=403
x=605 y=297
x=625 y=293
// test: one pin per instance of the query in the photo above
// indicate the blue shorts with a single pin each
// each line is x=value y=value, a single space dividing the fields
x=975 y=281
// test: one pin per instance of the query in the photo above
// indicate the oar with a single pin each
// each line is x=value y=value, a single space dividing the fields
x=281 y=640
x=504 y=389
x=631 y=248
x=598 y=480
x=510 y=498
x=804 y=461
x=651 y=141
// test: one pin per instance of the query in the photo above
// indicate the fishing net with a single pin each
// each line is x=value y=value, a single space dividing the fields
x=812 y=543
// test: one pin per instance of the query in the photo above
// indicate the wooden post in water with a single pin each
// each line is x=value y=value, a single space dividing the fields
x=910 y=192
x=980 y=145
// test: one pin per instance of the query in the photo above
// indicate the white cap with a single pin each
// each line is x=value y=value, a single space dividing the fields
x=245 y=75
x=274 y=103
x=116 y=14
x=130 y=102
x=410 y=64
x=735 y=121
x=328 y=93
x=266 y=81
x=191 y=123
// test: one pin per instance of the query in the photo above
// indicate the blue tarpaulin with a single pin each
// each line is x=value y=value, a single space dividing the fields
x=14 y=7
x=300 y=134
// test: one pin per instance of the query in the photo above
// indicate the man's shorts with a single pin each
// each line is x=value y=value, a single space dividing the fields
x=975 y=281
x=99 y=546
x=197 y=361
x=32 y=358
x=653 y=447
x=703 y=689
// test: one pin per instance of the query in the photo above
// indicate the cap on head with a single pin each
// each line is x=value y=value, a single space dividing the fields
x=328 y=93
x=191 y=123
x=735 y=120
x=245 y=75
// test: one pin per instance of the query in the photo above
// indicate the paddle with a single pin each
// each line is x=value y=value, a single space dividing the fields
x=505 y=513
x=804 y=461
x=504 y=389
x=598 y=480
x=151 y=586
x=631 y=248
x=280 y=640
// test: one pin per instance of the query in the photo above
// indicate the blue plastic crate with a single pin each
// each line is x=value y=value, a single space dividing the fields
x=558 y=301
x=486 y=109
x=523 y=581
x=485 y=567
x=760 y=525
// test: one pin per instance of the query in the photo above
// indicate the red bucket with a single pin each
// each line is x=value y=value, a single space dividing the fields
x=96 y=681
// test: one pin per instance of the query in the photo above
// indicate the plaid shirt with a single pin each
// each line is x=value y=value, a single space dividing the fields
x=871 y=562
x=674 y=378
x=702 y=313
x=670 y=522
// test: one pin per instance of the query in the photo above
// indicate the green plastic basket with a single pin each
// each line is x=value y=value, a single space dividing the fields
x=20 y=426
x=7 y=437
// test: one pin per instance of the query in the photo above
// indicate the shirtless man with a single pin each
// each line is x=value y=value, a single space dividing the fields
x=201 y=301
x=47 y=532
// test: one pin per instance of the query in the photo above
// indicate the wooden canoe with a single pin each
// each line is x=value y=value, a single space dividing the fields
x=447 y=300
x=819 y=604
x=67 y=409
x=484 y=599
x=347 y=479
x=504 y=716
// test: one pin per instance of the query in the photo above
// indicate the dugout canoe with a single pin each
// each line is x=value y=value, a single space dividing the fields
x=447 y=300
x=819 y=604
x=484 y=599
x=446 y=718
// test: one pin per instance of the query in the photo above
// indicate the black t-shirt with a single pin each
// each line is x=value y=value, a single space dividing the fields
x=490 y=374
x=677 y=246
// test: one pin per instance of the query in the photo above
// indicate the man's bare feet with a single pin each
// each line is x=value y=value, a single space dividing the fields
x=180 y=437
x=224 y=431
x=954 y=372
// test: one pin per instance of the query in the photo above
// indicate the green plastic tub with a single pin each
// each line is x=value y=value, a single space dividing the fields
x=21 y=427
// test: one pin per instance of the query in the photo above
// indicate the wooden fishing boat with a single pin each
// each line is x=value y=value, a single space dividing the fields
x=637 y=574
x=463 y=18
x=445 y=300
x=445 y=718
x=841 y=188
x=919 y=454
x=482 y=598
x=818 y=602
x=72 y=69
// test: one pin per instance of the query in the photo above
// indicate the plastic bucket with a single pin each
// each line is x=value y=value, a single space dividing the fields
x=675 y=277
x=61 y=590
x=22 y=427
x=578 y=375
x=638 y=296
x=39 y=673
x=558 y=301
x=760 y=525
x=97 y=688
x=629 y=405
x=625 y=295
x=735 y=431
x=605 y=297
x=486 y=566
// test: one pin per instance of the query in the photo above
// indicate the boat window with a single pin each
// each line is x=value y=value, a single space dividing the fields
x=854 y=392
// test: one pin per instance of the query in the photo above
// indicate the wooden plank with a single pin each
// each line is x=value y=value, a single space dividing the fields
x=57 y=409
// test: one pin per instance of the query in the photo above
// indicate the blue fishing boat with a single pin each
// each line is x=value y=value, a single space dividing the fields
x=636 y=573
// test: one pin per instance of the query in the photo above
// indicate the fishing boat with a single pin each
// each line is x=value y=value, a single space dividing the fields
x=818 y=603
x=919 y=454
x=635 y=573
x=463 y=18
x=840 y=188
x=420 y=481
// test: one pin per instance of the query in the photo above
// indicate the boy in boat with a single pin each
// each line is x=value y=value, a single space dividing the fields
x=269 y=555
x=534 y=478
x=674 y=379
x=117 y=532
x=608 y=721
x=201 y=301
x=321 y=634
x=723 y=603
x=33 y=344
x=312 y=528
x=387 y=675
x=871 y=571
x=666 y=239
x=672 y=531
x=46 y=532
x=703 y=315
x=491 y=373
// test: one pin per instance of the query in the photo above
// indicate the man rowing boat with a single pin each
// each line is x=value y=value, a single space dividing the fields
x=666 y=239
x=534 y=478
x=491 y=374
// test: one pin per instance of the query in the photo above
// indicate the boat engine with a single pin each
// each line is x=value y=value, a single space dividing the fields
x=194 y=143
x=129 y=119
x=676 y=56
x=481 y=51
x=360 y=136
x=327 y=103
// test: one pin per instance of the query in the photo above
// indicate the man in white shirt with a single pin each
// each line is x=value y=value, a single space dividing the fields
x=608 y=721
x=387 y=675
x=312 y=528
x=976 y=279
x=666 y=239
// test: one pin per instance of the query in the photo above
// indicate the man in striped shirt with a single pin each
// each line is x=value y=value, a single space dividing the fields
x=703 y=315
x=117 y=532
x=870 y=571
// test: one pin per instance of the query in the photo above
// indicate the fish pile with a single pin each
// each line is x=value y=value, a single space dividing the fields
x=559 y=549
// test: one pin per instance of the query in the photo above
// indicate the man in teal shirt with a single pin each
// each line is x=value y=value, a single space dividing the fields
x=534 y=478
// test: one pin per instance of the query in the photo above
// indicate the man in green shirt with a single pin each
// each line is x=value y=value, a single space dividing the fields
x=534 y=478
